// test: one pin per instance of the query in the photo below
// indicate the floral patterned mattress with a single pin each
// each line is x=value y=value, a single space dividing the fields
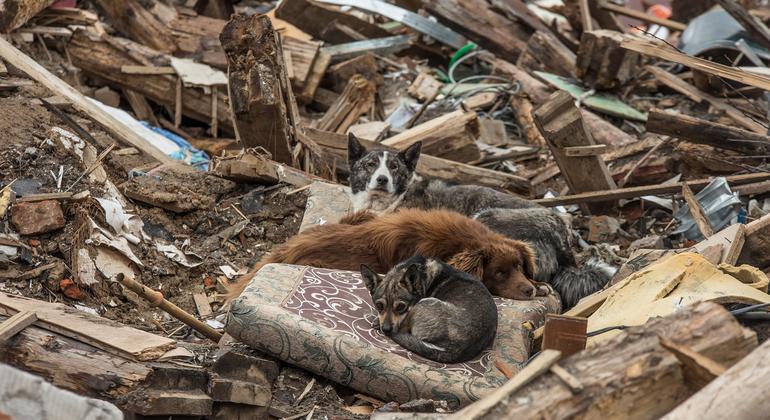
x=321 y=320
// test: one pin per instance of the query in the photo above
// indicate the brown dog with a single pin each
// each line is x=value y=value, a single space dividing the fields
x=504 y=265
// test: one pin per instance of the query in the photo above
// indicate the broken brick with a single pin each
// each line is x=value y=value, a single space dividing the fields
x=36 y=218
x=70 y=289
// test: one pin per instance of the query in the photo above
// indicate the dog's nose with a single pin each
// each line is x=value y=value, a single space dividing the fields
x=528 y=290
x=386 y=329
x=382 y=180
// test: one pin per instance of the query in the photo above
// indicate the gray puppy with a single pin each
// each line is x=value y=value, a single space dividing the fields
x=433 y=309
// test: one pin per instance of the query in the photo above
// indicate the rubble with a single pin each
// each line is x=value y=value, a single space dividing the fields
x=153 y=151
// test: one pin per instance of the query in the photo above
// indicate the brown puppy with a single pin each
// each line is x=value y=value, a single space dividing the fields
x=504 y=265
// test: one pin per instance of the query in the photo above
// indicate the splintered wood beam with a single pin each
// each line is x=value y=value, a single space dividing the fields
x=699 y=131
x=697 y=95
x=701 y=219
x=324 y=22
x=585 y=16
x=356 y=100
x=562 y=126
x=451 y=136
x=644 y=17
x=15 y=13
x=665 y=52
x=602 y=63
x=658 y=189
x=132 y=19
x=484 y=24
x=16 y=58
x=729 y=395
x=637 y=359
x=545 y=52
x=260 y=96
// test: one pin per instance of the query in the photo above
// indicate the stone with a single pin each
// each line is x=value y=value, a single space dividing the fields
x=107 y=96
x=603 y=229
x=37 y=218
x=648 y=242
x=419 y=406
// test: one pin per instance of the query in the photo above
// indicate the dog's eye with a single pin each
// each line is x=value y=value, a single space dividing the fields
x=393 y=165
x=501 y=274
x=371 y=164
x=380 y=307
x=400 y=307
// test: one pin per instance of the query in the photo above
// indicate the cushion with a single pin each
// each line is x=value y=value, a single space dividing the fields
x=321 y=320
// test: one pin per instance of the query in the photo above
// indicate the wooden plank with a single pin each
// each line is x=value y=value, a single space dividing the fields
x=202 y=304
x=147 y=70
x=731 y=395
x=664 y=52
x=564 y=333
x=699 y=370
x=15 y=13
x=303 y=55
x=657 y=189
x=644 y=17
x=601 y=63
x=585 y=16
x=699 y=131
x=697 y=212
x=131 y=18
x=380 y=46
x=32 y=198
x=356 y=100
x=540 y=365
x=322 y=22
x=110 y=336
x=592 y=150
x=37 y=72
x=451 y=136
x=16 y=324
x=698 y=95
x=561 y=124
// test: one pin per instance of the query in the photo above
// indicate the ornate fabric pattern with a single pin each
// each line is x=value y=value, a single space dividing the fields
x=339 y=300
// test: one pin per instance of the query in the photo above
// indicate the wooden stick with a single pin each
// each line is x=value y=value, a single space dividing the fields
x=636 y=14
x=178 y=103
x=697 y=95
x=214 y=110
x=156 y=299
x=541 y=364
x=16 y=58
x=16 y=324
x=657 y=189
x=665 y=52
x=32 y=198
x=639 y=163
x=697 y=211
x=585 y=16
x=94 y=165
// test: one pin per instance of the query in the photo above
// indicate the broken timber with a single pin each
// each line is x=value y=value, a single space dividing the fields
x=602 y=64
x=561 y=124
x=260 y=96
x=356 y=100
x=709 y=133
x=326 y=22
x=635 y=192
x=135 y=21
x=15 y=13
x=451 y=136
x=13 y=56
x=105 y=58
x=633 y=360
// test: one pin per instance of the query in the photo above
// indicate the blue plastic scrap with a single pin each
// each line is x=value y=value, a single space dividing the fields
x=187 y=152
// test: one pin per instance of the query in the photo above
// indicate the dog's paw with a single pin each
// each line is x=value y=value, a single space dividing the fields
x=544 y=289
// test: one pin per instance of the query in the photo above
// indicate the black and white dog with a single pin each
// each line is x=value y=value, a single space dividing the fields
x=383 y=181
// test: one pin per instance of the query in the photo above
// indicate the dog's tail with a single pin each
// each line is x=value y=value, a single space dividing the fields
x=574 y=283
x=236 y=289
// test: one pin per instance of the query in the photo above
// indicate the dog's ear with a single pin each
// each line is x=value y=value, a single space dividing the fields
x=371 y=279
x=412 y=280
x=470 y=261
x=355 y=150
x=528 y=260
x=411 y=155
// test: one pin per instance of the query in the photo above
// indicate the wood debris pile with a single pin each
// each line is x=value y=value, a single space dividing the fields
x=153 y=150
